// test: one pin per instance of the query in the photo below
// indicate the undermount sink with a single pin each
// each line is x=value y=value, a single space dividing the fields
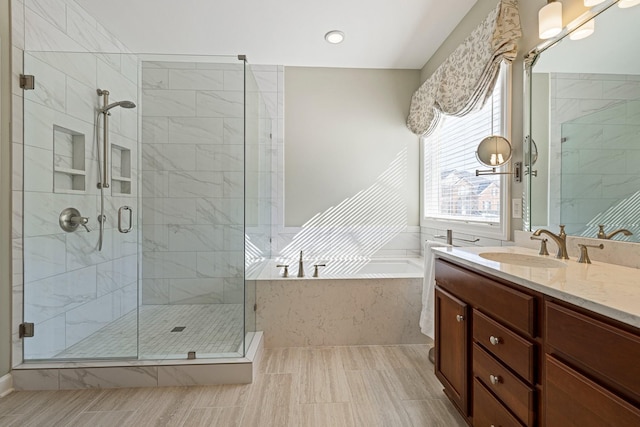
x=521 y=259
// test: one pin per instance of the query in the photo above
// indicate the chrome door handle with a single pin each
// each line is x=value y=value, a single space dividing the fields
x=125 y=208
x=459 y=317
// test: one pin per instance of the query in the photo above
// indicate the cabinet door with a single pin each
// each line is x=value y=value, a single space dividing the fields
x=573 y=400
x=452 y=331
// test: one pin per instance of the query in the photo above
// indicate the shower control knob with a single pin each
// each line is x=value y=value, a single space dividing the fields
x=70 y=219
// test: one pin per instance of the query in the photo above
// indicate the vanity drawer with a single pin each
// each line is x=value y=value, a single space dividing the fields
x=513 y=350
x=488 y=411
x=515 y=394
x=573 y=400
x=512 y=307
x=608 y=353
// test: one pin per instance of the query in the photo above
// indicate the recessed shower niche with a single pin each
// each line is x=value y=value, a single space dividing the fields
x=120 y=170
x=69 y=170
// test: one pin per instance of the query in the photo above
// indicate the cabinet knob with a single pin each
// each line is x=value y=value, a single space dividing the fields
x=459 y=317
x=495 y=379
x=494 y=340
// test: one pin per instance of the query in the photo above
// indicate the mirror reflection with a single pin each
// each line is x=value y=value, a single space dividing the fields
x=494 y=151
x=585 y=120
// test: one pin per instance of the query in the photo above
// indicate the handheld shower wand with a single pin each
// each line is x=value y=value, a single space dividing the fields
x=104 y=174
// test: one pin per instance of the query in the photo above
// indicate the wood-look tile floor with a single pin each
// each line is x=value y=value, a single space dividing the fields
x=367 y=386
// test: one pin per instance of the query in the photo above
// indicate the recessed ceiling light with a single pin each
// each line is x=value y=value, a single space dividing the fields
x=334 y=37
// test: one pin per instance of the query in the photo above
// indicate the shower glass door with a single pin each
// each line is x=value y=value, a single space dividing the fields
x=72 y=288
x=192 y=203
x=153 y=265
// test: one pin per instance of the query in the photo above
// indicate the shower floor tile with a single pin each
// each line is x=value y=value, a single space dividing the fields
x=209 y=330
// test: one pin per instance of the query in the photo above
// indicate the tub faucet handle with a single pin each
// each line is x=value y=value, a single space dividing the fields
x=285 y=272
x=315 y=269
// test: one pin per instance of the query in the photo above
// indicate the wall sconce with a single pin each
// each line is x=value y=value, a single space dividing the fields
x=583 y=31
x=623 y=4
x=550 y=20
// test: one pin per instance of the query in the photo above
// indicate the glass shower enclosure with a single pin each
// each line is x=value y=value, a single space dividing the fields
x=137 y=237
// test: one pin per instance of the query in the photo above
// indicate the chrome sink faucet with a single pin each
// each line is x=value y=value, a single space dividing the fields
x=603 y=235
x=300 y=266
x=560 y=239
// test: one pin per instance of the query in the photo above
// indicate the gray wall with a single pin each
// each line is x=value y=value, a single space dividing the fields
x=529 y=21
x=343 y=129
x=5 y=189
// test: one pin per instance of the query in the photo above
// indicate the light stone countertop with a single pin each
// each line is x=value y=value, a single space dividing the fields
x=607 y=289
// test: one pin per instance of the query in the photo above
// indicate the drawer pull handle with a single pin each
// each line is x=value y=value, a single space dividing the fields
x=495 y=379
x=494 y=340
x=459 y=317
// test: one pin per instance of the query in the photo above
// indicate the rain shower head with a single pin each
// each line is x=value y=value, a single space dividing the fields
x=123 y=104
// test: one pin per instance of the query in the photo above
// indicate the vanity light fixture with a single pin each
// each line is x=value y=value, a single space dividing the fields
x=550 y=20
x=334 y=37
x=589 y=3
x=584 y=31
x=623 y=4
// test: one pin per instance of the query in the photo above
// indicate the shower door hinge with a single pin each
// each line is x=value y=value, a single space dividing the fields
x=26 y=330
x=27 y=81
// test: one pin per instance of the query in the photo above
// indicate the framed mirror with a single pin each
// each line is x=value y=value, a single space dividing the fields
x=494 y=151
x=583 y=111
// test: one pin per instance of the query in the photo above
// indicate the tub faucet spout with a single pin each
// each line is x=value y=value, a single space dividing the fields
x=300 y=266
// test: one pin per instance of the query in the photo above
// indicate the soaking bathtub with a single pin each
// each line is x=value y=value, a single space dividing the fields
x=357 y=302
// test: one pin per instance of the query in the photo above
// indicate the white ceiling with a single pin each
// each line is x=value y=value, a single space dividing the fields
x=379 y=33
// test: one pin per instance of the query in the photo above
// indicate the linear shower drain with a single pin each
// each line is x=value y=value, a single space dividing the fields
x=178 y=329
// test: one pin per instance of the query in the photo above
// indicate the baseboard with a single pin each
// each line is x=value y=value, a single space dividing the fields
x=6 y=385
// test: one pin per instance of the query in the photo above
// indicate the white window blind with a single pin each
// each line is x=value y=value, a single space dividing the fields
x=451 y=189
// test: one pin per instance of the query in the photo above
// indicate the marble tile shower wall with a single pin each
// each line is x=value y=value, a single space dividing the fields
x=58 y=263
x=264 y=112
x=192 y=182
x=599 y=115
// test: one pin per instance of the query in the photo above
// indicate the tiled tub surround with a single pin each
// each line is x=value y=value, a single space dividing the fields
x=607 y=289
x=353 y=310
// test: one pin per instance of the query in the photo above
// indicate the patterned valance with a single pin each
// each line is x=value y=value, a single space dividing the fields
x=465 y=81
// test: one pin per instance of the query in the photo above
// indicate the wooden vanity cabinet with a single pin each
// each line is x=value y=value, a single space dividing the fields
x=451 y=359
x=509 y=356
x=591 y=370
x=496 y=350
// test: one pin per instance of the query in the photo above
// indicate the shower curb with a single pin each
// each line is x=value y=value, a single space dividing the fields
x=86 y=375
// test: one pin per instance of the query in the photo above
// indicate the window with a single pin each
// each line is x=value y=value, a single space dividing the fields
x=453 y=196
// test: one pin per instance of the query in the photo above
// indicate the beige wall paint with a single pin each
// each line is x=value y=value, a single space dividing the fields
x=343 y=128
x=529 y=21
x=5 y=188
